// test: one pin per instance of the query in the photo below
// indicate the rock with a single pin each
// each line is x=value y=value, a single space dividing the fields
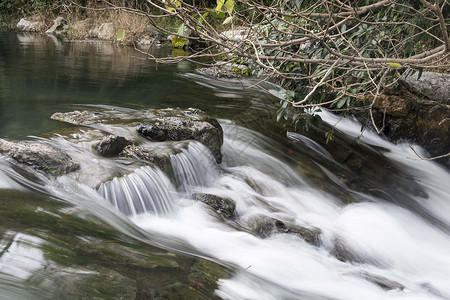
x=424 y=122
x=78 y=117
x=41 y=156
x=59 y=27
x=156 y=125
x=156 y=153
x=382 y=282
x=343 y=252
x=104 y=32
x=224 y=206
x=219 y=71
x=25 y=25
x=190 y=125
x=265 y=226
x=311 y=236
x=112 y=145
x=435 y=86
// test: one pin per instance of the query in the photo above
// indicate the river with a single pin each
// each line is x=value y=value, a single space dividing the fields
x=381 y=233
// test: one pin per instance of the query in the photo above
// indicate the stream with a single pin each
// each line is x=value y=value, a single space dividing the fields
x=380 y=230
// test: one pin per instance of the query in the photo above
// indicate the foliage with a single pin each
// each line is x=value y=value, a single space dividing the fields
x=340 y=54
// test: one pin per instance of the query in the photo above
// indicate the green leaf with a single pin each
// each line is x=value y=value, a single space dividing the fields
x=420 y=73
x=179 y=42
x=120 y=35
x=173 y=4
x=225 y=6
x=341 y=102
x=396 y=65
x=227 y=20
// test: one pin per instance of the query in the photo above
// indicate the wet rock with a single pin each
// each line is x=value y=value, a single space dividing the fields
x=224 y=206
x=59 y=27
x=421 y=121
x=352 y=166
x=219 y=71
x=310 y=235
x=192 y=124
x=79 y=117
x=382 y=282
x=435 y=86
x=156 y=153
x=43 y=157
x=25 y=25
x=112 y=145
x=265 y=226
x=343 y=252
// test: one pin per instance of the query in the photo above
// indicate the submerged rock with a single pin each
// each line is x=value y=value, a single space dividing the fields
x=343 y=252
x=382 y=282
x=112 y=145
x=43 y=157
x=225 y=206
x=219 y=71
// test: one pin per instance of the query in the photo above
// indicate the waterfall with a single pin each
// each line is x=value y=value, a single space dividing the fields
x=145 y=190
x=194 y=167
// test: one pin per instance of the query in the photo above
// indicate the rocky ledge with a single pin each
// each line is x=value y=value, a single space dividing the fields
x=41 y=156
x=420 y=120
x=170 y=130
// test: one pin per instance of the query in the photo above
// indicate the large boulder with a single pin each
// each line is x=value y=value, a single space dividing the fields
x=435 y=86
x=43 y=157
x=181 y=128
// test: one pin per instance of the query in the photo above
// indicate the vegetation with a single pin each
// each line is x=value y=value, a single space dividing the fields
x=336 y=53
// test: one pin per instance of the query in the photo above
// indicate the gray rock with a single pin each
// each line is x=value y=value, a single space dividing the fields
x=156 y=153
x=190 y=125
x=219 y=71
x=40 y=156
x=382 y=282
x=265 y=226
x=424 y=122
x=224 y=206
x=59 y=27
x=310 y=235
x=343 y=252
x=435 y=86
x=25 y=25
x=112 y=145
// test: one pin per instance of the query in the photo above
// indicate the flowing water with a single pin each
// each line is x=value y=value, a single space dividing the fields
x=389 y=244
